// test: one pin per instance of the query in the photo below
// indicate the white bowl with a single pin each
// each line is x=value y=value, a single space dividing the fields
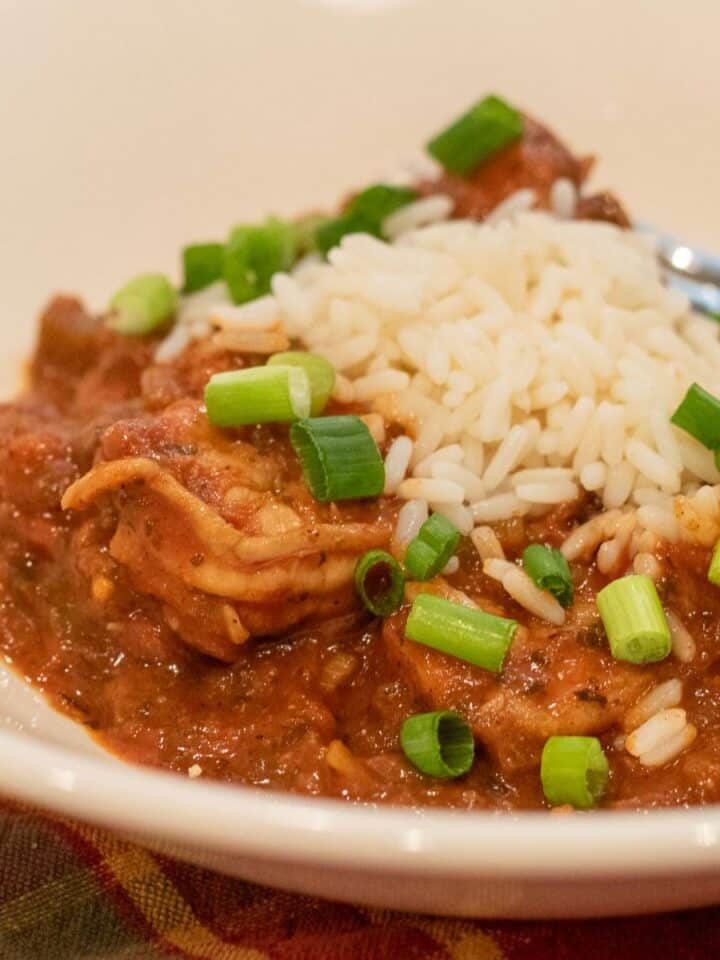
x=129 y=129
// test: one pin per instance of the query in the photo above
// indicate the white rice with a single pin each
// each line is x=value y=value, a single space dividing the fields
x=670 y=747
x=530 y=342
x=523 y=591
x=661 y=697
x=683 y=645
x=487 y=544
x=412 y=516
x=397 y=461
x=655 y=731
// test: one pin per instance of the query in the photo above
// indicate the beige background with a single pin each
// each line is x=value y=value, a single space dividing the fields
x=129 y=128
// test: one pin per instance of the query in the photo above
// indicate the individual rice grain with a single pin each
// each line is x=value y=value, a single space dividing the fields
x=421 y=213
x=660 y=697
x=452 y=453
x=506 y=457
x=647 y=565
x=653 y=466
x=502 y=506
x=411 y=517
x=487 y=544
x=660 y=728
x=563 y=198
x=593 y=476
x=612 y=551
x=619 y=484
x=538 y=602
x=553 y=491
x=683 y=645
x=670 y=748
x=473 y=487
x=458 y=514
x=397 y=461
x=439 y=491
x=384 y=381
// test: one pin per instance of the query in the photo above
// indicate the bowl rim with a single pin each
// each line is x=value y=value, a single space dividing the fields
x=249 y=821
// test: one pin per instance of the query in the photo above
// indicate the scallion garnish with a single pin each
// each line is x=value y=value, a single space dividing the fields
x=634 y=620
x=379 y=582
x=364 y=214
x=439 y=744
x=320 y=371
x=339 y=457
x=549 y=570
x=253 y=254
x=574 y=770
x=257 y=395
x=374 y=204
x=463 y=632
x=431 y=549
x=143 y=304
x=699 y=415
x=713 y=573
x=486 y=128
x=202 y=265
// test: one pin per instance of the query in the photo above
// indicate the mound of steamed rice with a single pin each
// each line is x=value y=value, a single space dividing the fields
x=525 y=359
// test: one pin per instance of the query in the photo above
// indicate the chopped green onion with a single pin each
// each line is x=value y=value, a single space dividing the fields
x=549 y=570
x=253 y=254
x=714 y=569
x=339 y=457
x=634 y=620
x=365 y=213
x=574 y=770
x=431 y=549
x=439 y=744
x=202 y=265
x=376 y=203
x=257 y=395
x=330 y=232
x=486 y=128
x=699 y=415
x=380 y=582
x=463 y=632
x=320 y=371
x=305 y=231
x=143 y=304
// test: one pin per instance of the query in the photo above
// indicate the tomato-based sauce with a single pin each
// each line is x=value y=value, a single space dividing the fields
x=192 y=604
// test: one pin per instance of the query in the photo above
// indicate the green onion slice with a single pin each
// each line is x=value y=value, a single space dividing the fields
x=464 y=632
x=713 y=574
x=487 y=127
x=202 y=265
x=634 y=620
x=253 y=254
x=305 y=233
x=320 y=371
x=339 y=457
x=699 y=415
x=380 y=582
x=431 y=549
x=574 y=770
x=364 y=214
x=143 y=304
x=257 y=395
x=549 y=570
x=439 y=744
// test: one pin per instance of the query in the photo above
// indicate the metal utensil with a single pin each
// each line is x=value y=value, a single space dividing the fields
x=688 y=269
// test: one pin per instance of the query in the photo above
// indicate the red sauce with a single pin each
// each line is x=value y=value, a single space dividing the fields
x=193 y=604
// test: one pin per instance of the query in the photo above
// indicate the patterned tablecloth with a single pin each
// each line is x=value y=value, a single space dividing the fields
x=71 y=892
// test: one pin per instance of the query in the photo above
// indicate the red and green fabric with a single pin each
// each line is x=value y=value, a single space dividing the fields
x=71 y=892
